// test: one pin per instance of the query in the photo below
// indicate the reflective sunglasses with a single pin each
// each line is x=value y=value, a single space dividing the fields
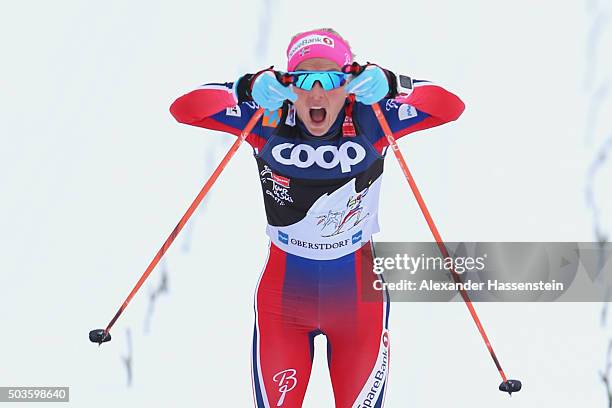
x=328 y=79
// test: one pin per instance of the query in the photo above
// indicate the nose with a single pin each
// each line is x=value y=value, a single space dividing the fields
x=317 y=90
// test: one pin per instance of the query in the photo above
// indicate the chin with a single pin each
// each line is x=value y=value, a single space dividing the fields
x=318 y=130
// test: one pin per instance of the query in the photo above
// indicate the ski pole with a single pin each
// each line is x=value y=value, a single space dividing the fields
x=103 y=335
x=508 y=386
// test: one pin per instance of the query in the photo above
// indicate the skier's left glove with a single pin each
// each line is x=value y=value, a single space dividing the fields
x=370 y=83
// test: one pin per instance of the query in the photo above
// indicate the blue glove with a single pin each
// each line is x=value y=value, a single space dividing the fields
x=269 y=93
x=370 y=86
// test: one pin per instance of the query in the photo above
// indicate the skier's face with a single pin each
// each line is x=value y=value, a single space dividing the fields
x=318 y=108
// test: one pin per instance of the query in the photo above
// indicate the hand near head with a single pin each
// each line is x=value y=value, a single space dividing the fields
x=265 y=88
x=369 y=83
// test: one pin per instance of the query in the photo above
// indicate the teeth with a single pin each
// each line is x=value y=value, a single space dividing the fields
x=317 y=107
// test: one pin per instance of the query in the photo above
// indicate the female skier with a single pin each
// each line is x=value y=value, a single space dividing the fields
x=320 y=152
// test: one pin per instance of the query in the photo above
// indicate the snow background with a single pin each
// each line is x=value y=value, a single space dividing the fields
x=94 y=174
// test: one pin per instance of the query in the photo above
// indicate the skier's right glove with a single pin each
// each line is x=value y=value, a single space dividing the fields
x=265 y=88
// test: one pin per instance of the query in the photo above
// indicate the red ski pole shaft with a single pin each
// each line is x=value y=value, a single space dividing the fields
x=434 y=230
x=209 y=183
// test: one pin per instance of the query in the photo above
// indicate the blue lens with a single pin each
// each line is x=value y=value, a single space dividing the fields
x=328 y=79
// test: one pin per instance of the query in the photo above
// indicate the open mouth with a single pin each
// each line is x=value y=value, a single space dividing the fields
x=317 y=115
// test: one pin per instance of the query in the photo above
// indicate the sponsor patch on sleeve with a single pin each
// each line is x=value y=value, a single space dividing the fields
x=233 y=111
x=406 y=111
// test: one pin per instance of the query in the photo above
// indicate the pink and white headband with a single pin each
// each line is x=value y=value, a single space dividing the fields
x=318 y=44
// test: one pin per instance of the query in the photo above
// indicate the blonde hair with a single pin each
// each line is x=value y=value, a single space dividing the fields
x=327 y=30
